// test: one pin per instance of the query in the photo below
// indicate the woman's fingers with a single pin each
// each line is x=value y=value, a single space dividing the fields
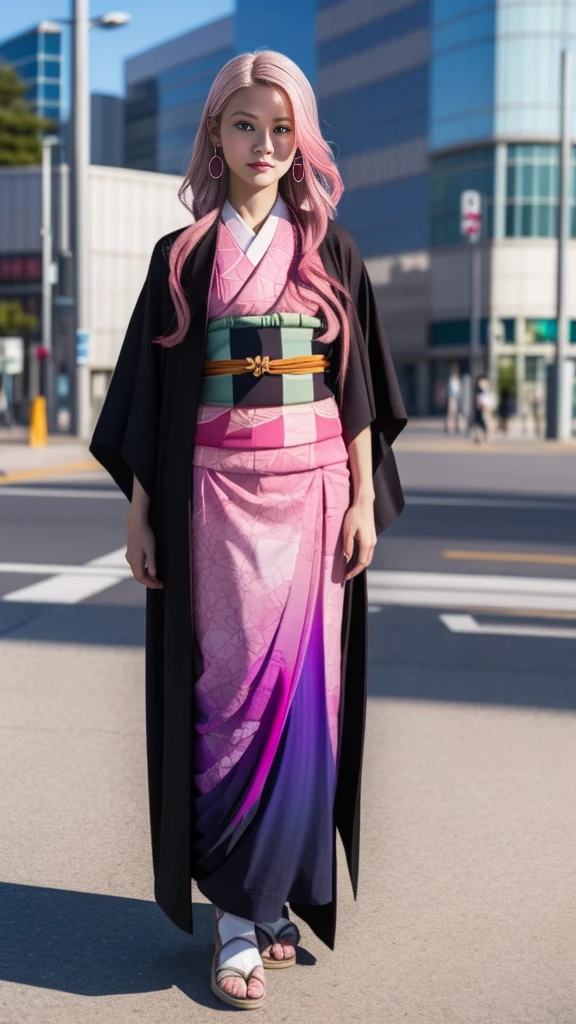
x=365 y=552
x=348 y=542
x=143 y=568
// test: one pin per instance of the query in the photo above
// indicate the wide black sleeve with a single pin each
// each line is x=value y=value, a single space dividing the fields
x=371 y=395
x=125 y=438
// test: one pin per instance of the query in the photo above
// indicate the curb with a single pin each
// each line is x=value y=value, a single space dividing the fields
x=18 y=475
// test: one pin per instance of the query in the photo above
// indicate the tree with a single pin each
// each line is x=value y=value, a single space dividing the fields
x=20 y=127
x=14 y=320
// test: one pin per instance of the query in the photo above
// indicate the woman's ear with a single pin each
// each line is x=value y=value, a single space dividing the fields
x=214 y=131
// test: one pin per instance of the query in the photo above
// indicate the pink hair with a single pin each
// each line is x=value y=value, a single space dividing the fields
x=312 y=202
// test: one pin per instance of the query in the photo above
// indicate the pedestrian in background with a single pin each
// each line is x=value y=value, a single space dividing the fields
x=249 y=421
x=483 y=402
x=506 y=407
x=5 y=417
x=453 y=400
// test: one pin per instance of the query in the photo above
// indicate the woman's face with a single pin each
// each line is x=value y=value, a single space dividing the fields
x=257 y=135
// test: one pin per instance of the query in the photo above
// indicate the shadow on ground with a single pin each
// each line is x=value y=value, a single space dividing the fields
x=93 y=945
x=101 y=625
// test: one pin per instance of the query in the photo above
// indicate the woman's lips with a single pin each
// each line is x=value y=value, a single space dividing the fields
x=259 y=165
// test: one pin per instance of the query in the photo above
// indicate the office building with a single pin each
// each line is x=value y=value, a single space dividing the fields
x=421 y=99
x=106 y=130
x=37 y=57
x=129 y=211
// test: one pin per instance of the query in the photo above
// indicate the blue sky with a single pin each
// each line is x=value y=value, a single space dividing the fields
x=153 y=21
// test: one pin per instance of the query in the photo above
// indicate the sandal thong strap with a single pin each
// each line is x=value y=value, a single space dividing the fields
x=234 y=972
x=270 y=932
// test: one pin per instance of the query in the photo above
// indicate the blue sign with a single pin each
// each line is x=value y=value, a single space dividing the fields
x=82 y=347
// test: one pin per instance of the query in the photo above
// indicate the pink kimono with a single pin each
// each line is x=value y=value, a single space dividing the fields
x=271 y=486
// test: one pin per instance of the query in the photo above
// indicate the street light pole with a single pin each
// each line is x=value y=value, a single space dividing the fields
x=81 y=24
x=471 y=227
x=79 y=173
x=47 y=386
x=563 y=391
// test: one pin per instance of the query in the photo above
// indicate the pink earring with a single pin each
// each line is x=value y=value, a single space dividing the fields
x=299 y=164
x=220 y=163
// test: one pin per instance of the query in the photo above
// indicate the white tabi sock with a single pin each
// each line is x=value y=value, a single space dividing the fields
x=238 y=954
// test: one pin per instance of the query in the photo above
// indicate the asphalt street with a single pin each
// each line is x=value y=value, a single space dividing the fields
x=467 y=905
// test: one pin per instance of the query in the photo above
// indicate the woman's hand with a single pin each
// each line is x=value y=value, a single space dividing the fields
x=359 y=524
x=141 y=551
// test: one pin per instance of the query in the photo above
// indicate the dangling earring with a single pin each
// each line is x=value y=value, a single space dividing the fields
x=220 y=163
x=298 y=164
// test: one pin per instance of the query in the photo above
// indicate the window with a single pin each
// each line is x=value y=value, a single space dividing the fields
x=532 y=189
x=541 y=330
x=454 y=332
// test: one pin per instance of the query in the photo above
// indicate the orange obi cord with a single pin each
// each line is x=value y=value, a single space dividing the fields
x=263 y=364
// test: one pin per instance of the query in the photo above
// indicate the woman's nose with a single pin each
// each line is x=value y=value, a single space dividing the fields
x=264 y=145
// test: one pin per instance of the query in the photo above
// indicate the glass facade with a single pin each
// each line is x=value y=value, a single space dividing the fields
x=36 y=56
x=449 y=176
x=383 y=113
x=163 y=113
x=532 y=182
x=462 y=65
x=181 y=94
x=373 y=104
x=531 y=191
x=388 y=218
x=530 y=38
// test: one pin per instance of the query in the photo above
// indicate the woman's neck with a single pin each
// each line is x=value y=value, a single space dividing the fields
x=252 y=206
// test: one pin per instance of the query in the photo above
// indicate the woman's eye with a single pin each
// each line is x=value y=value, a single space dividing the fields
x=283 y=128
x=243 y=125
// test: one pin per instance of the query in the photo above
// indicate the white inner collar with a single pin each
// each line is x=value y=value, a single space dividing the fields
x=254 y=244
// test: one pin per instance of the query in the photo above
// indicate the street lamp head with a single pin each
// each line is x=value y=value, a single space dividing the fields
x=114 y=19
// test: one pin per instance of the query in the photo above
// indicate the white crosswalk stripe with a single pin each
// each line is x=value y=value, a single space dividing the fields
x=69 y=584
x=463 y=590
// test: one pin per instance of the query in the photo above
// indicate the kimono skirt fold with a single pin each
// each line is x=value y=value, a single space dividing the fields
x=268 y=587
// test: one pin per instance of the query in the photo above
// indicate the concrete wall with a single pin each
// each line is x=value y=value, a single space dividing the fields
x=129 y=211
x=518 y=279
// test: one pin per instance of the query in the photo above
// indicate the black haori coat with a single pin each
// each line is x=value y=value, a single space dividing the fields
x=146 y=428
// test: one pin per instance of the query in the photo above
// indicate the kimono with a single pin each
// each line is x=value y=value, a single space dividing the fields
x=256 y=647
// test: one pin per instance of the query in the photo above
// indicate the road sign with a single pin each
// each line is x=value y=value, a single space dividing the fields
x=11 y=355
x=82 y=347
x=470 y=213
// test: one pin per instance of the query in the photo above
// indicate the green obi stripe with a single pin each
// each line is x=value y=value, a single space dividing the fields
x=267 y=320
x=235 y=337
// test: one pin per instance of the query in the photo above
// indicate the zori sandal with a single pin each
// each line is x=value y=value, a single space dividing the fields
x=269 y=933
x=240 y=963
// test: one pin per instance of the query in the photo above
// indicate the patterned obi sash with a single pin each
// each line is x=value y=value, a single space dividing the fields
x=268 y=360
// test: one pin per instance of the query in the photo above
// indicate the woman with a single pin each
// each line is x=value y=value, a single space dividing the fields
x=249 y=421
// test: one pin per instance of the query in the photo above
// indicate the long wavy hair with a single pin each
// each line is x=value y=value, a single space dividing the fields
x=312 y=202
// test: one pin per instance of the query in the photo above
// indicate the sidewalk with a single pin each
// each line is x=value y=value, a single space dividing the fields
x=427 y=434
x=62 y=455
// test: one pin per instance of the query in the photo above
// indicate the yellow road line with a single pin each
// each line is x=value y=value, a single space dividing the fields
x=48 y=471
x=510 y=556
x=521 y=613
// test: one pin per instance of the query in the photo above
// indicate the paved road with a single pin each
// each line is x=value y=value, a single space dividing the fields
x=467 y=905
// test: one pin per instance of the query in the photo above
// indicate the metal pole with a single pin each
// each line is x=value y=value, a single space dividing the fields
x=47 y=274
x=563 y=402
x=46 y=232
x=474 y=318
x=80 y=162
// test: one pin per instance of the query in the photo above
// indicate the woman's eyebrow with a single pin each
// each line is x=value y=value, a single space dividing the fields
x=254 y=117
